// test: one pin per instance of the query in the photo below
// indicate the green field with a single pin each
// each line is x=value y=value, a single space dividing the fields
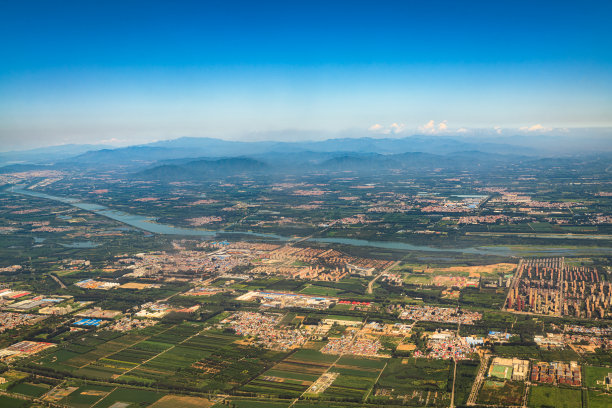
x=502 y=372
x=466 y=373
x=594 y=374
x=8 y=402
x=545 y=396
x=598 y=399
x=137 y=397
x=85 y=396
x=415 y=378
x=256 y=404
x=356 y=379
x=164 y=356
x=320 y=291
x=11 y=376
x=292 y=376
x=29 y=389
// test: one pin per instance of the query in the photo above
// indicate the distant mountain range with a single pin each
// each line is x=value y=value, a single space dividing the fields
x=198 y=169
x=190 y=157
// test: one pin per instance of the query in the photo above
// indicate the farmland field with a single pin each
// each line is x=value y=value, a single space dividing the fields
x=85 y=396
x=8 y=402
x=545 y=396
x=131 y=396
x=30 y=389
x=292 y=376
x=417 y=379
x=594 y=374
x=598 y=399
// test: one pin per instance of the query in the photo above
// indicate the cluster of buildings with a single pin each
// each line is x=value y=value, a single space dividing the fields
x=353 y=345
x=185 y=264
x=99 y=313
x=557 y=373
x=356 y=305
x=10 y=268
x=456 y=204
x=204 y=291
x=89 y=322
x=57 y=310
x=437 y=314
x=318 y=273
x=263 y=327
x=592 y=331
x=128 y=323
x=9 y=320
x=356 y=219
x=328 y=257
x=499 y=337
x=24 y=348
x=35 y=302
x=550 y=340
x=321 y=274
x=446 y=345
x=199 y=221
x=153 y=310
x=285 y=300
x=585 y=343
x=481 y=219
x=9 y=294
x=393 y=279
x=508 y=197
x=548 y=286
x=509 y=369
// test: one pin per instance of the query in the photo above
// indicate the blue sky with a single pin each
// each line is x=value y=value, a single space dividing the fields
x=131 y=72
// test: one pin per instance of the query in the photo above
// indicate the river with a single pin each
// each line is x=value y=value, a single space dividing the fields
x=149 y=224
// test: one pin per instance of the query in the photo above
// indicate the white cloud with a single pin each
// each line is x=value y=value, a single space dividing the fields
x=497 y=129
x=535 y=128
x=394 y=128
x=113 y=141
x=431 y=127
x=462 y=130
x=397 y=128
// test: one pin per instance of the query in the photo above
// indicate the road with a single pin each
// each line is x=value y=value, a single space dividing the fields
x=452 y=404
x=59 y=282
x=526 y=396
x=371 y=283
x=484 y=362
x=513 y=284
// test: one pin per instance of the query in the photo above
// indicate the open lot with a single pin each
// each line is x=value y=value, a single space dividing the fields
x=501 y=393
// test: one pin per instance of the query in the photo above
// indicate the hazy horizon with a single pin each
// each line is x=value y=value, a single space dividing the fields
x=588 y=138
